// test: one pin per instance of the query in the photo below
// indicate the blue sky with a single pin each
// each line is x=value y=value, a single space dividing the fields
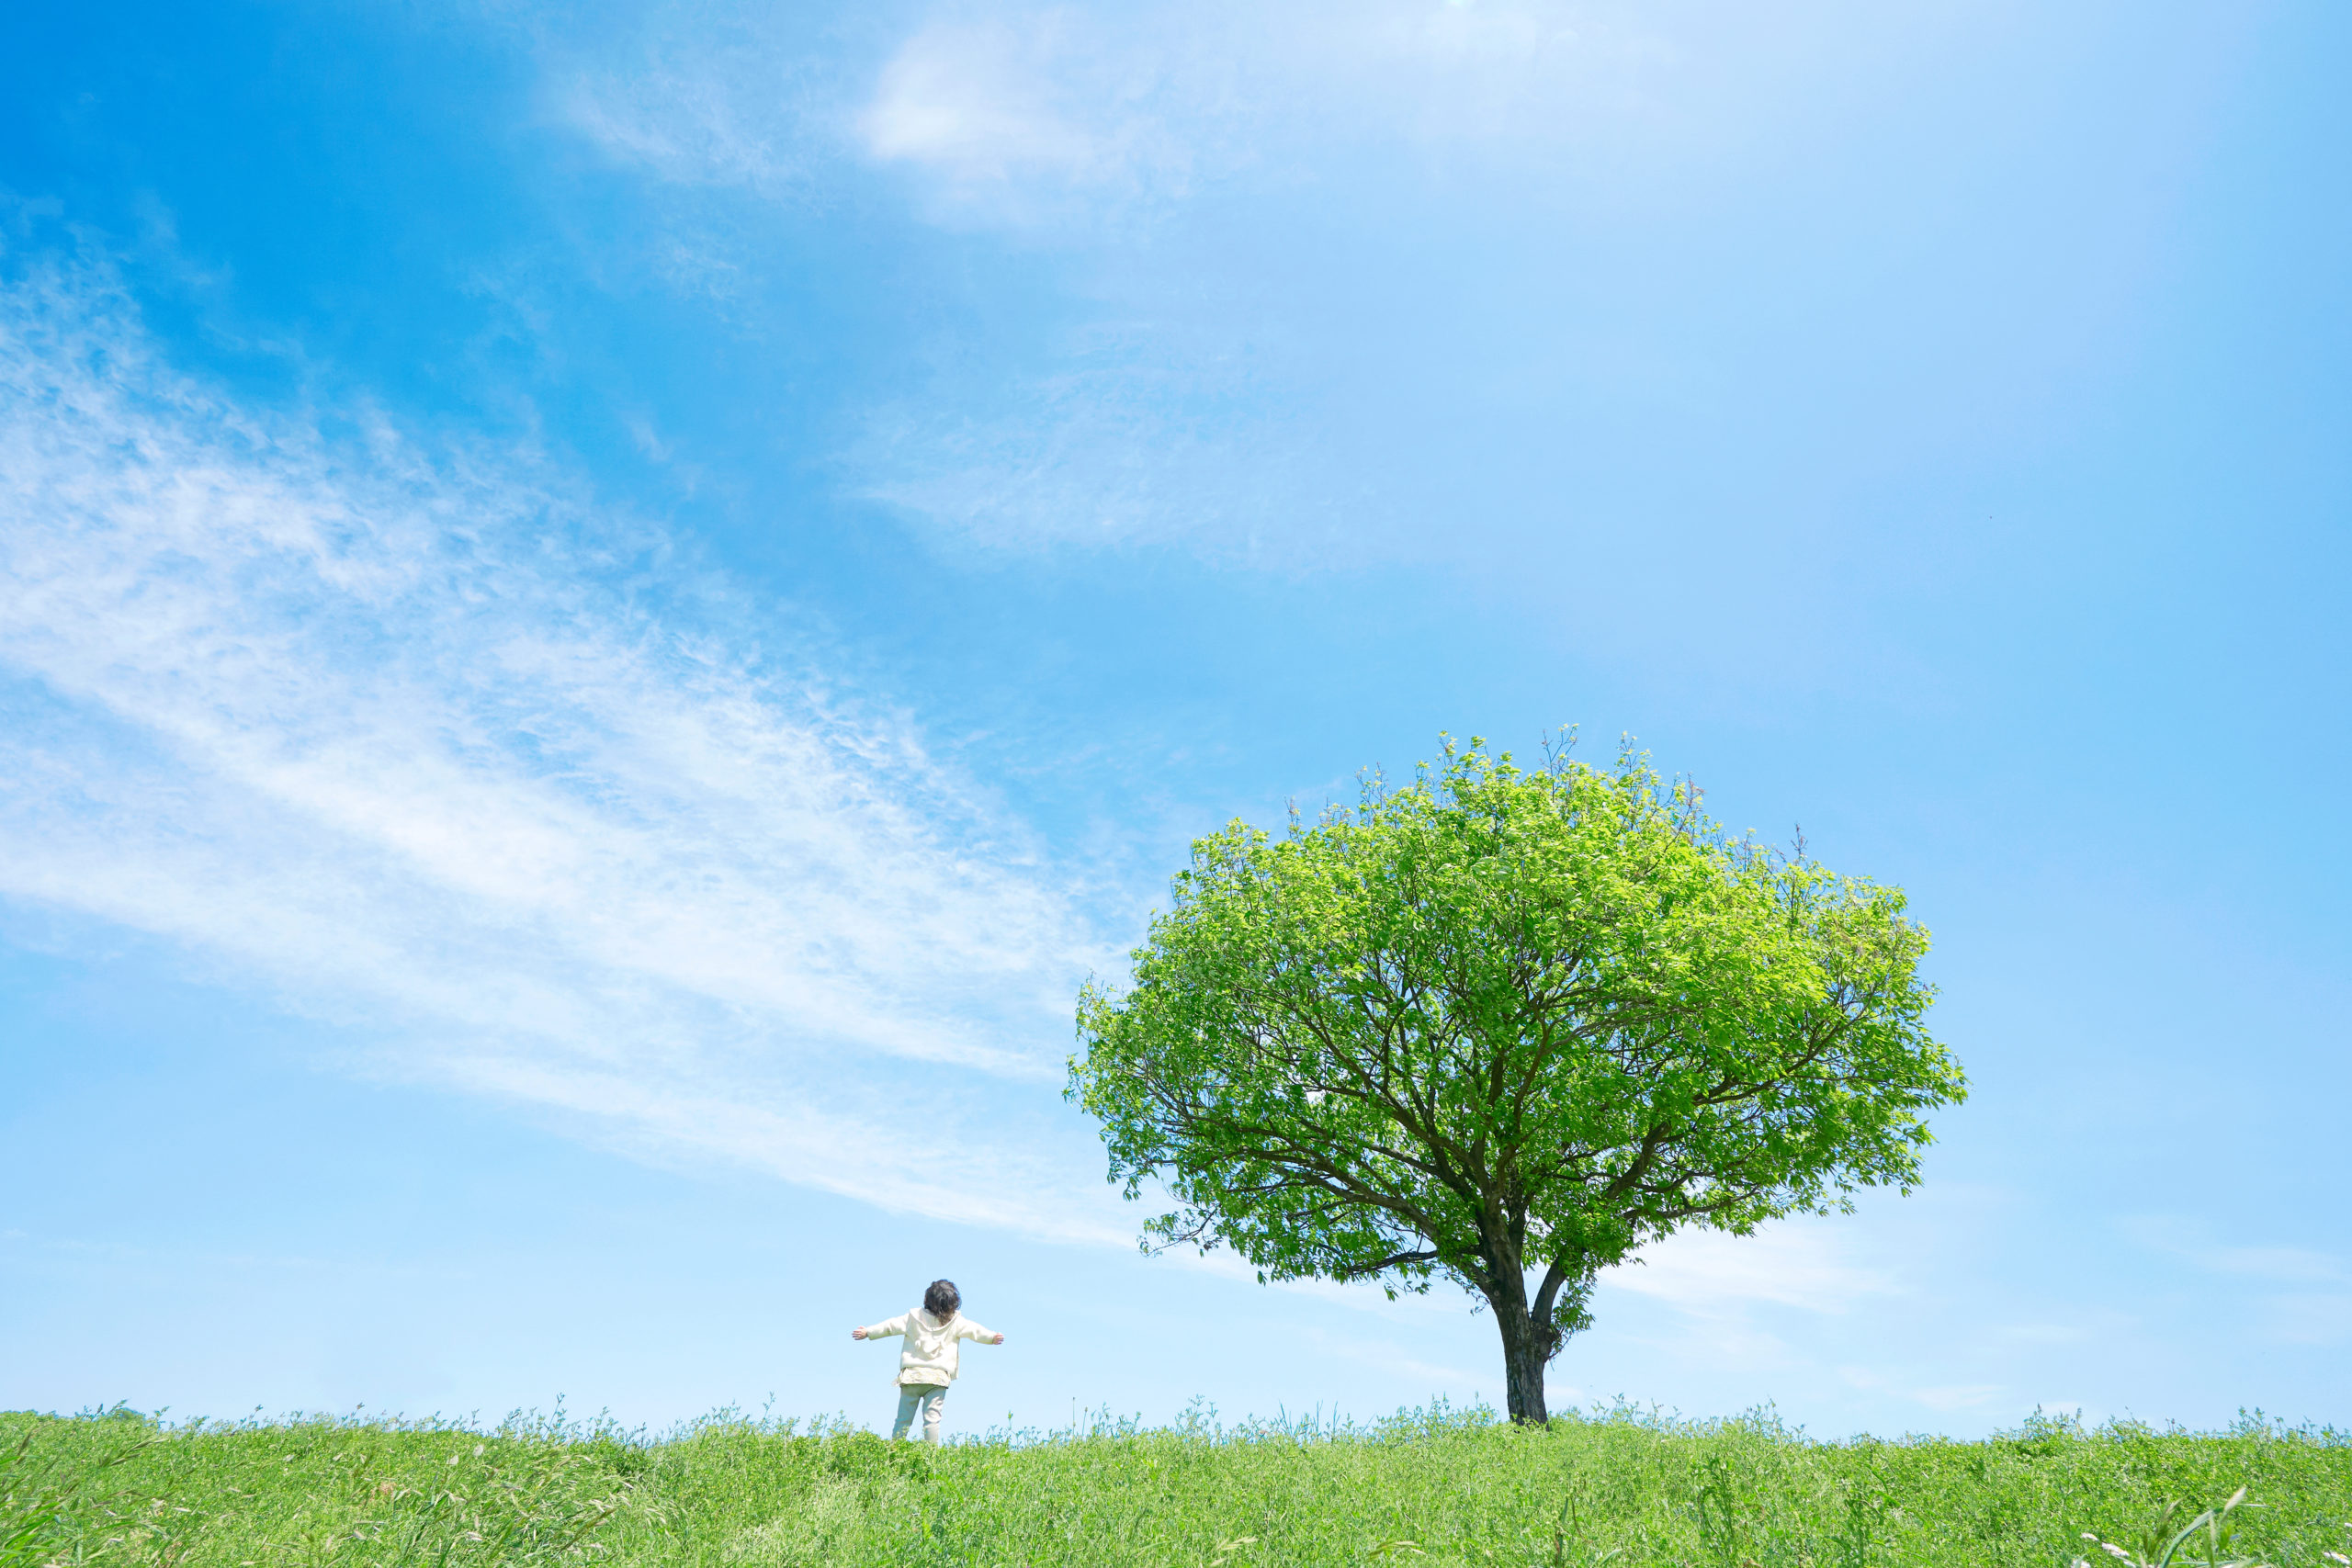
x=604 y=611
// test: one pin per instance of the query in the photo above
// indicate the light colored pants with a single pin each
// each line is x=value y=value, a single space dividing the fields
x=926 y=1397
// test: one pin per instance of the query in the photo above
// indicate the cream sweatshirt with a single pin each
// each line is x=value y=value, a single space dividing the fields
x=930 y=1355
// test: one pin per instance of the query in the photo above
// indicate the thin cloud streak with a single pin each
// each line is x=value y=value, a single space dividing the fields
x=1059 y=114
x=1710 y=1273
x=1123 y=138
x=384 y=731
x=1007 y=112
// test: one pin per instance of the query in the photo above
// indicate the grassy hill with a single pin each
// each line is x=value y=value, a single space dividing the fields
x=1427 y=1488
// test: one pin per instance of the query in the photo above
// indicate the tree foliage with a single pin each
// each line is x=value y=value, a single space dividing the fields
x=1506 y=1022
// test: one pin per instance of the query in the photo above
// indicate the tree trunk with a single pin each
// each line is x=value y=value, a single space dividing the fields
x=1523 y=1363
x=1527 y=1346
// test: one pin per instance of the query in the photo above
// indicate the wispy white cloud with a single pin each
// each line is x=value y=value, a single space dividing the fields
x=988 y=102
x=1132 y=442
x=1944 y=1397
x=1722 y=1292
x=404 y=736
x=1959 y=1396
x=1710 y=1273
x=694 y=94
x=2304 y=1316
x=1276 y=160
x=2286 y=1263
x=2042 y=1333
x=1391 y=1358
x=1272 y=160
x=1008 y=109
x=2193 y=1242
x=2308 y=1317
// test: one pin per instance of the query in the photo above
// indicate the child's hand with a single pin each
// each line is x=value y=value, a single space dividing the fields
x=997 y=1340
x=857 y=1334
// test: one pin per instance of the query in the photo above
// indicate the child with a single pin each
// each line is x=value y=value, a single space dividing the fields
x=928 y=1363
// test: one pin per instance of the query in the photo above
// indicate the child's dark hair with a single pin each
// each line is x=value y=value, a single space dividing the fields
x=941 y=1300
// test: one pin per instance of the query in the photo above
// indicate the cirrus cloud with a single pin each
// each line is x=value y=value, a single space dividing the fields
x=408 y=738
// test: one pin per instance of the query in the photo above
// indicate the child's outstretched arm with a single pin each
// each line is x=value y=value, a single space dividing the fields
x=883 y=1330
x=967 y=1329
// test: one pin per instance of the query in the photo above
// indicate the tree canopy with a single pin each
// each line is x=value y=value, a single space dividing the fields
x=1504 y=1022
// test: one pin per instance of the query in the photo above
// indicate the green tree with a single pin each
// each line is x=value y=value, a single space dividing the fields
x=1505 y=1026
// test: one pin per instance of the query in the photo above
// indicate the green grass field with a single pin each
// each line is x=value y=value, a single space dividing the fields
x=1448 y=1487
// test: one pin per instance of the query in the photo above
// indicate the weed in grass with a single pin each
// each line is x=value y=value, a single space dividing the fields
x=40 y=1494
x=2160 y=1545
